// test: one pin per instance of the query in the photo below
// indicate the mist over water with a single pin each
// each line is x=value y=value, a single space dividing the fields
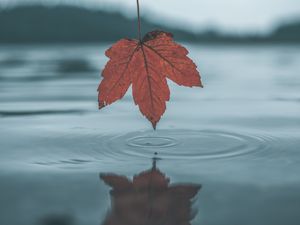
x=238 y=137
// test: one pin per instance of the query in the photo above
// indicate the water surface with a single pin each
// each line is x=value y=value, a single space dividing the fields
x=238 y=138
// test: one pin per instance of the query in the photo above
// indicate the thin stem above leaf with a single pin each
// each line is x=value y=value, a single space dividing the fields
x=139 y=21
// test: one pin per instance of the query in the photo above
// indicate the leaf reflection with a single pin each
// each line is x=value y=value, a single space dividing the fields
x=149 y=199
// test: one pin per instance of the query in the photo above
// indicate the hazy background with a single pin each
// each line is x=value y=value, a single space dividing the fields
x=230 y=15
x=193 y=20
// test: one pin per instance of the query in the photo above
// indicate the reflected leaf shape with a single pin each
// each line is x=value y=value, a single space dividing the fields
x=149 y=199
x=57 y=220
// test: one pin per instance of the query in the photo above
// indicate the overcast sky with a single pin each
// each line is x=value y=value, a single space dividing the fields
x=231 y=15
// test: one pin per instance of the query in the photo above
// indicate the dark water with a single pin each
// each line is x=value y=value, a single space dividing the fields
x=228 y=154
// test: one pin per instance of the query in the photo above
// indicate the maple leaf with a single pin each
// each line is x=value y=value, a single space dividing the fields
x=145 y=65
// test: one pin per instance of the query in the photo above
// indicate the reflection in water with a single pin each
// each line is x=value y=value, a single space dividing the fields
x=57 y=220
x=149 y=199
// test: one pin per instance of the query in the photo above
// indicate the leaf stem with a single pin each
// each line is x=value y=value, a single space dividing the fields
x=139 y=21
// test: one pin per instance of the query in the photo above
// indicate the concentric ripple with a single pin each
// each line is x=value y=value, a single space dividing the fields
x=151 y=142
x=86 y=148
x=182 y=145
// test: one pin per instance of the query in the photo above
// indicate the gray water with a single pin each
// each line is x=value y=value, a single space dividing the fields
x=238 y=137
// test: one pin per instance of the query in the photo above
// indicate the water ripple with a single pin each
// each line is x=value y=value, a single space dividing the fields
x=186 y=145
x=183 y=145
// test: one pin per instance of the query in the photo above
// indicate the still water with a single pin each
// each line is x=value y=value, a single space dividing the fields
x=228 y=154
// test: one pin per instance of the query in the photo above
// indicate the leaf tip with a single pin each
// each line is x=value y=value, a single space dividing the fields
x=154 y=125
x=101 y=105
x=200 y=84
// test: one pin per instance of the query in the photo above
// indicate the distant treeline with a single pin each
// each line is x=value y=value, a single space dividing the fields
x=41 y=24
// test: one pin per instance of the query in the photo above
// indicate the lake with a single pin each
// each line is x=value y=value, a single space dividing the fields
x=227 y=154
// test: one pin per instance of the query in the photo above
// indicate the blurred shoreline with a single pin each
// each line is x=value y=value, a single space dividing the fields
x=37 y=24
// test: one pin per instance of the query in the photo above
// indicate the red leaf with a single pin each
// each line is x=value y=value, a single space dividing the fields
x=146 y=65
